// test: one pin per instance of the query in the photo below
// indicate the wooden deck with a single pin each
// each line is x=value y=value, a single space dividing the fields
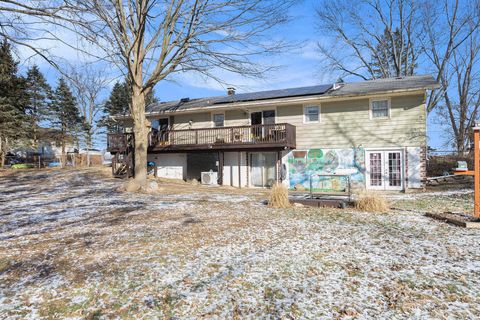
x=119 y=142
x=271 y=136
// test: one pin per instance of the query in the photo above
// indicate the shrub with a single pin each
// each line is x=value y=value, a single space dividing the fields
x=278 y=196
x=372 y=202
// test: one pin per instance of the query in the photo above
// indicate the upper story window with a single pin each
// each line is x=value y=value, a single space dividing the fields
x=380 y=108
x=218 y=120
x=311 y=114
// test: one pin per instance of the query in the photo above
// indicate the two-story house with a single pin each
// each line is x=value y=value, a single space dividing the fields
x=372 y=133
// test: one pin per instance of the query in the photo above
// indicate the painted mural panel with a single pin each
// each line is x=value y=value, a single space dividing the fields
x=315 y=167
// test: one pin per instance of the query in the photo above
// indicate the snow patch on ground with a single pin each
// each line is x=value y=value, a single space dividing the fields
x=73 y=247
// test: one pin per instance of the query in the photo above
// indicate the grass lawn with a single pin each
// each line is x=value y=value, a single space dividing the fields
x=73 y=246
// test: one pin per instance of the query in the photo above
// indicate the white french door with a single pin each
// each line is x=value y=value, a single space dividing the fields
x=384 y=169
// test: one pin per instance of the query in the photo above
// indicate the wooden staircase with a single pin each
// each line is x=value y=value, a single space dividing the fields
x=122 y=149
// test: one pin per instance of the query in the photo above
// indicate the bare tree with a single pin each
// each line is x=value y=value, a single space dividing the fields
x=26 y=23
x=447 y=27
x=370 y=38
x=460 y=102
x=151 y=40
x=88 y=84
x=452 y=44
x=388 y=38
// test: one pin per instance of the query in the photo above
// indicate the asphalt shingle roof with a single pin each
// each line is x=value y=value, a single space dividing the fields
x=385 y=85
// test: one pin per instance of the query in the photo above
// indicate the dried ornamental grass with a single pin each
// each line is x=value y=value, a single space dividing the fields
x=279 y=196
x=193 y=182
x=372 y=202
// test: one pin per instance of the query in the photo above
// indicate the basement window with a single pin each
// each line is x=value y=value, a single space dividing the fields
x=380 y=108
x=311 y=114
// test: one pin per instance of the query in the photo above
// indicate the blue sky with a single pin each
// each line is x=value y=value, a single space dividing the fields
x=298 y=67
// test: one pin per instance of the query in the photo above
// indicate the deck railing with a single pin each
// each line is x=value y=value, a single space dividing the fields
x=267 y=135
x=238 y=135
x=119 y=142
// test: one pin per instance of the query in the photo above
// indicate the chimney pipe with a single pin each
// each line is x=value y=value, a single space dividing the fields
x=230 y=91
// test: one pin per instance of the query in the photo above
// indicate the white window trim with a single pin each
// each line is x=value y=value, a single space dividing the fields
x=305 y=106
x=250 y=111
x=212 y=123
x=389 y=103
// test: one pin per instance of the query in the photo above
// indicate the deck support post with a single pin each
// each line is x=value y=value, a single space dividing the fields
x=239 y=170
x=278 y=170
x=220 y=167
x=114 y=164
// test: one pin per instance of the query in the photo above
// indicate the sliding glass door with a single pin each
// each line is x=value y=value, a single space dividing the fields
x=262 y=169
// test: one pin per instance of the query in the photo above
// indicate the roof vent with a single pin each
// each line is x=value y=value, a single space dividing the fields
x=184 y=99
x=337 y=85
x=230 y=91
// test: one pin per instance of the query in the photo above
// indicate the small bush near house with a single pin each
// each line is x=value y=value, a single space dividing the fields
x=279 y=196
x=372 y=202
x=445 y=164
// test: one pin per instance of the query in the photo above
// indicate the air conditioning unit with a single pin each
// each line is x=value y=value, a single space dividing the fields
x=209 y=177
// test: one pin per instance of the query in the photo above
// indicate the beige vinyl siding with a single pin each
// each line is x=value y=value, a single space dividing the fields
x=347 y=123
x=343 y=124
x=199 y=120
x=236 y=117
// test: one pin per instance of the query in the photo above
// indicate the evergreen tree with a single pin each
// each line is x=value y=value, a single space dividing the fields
x=150 y=98
x=66 y=115
x=118 y=104
x=383 y=61
x=12 y=102
x=37 y=109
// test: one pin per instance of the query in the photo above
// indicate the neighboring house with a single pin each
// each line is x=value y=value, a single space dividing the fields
x=48 y=145
x=372 y=131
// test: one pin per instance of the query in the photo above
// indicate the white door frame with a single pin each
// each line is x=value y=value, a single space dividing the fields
x=384 y=169
x=367 y=170
x=249 y=168
x=261 y=109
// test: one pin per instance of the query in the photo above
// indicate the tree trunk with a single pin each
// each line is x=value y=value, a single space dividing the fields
x=140 y=131
x=63 y=157
x=35 y=136
x=460 y=141
x=62 y=161
x=89 y=147
x=2 y=154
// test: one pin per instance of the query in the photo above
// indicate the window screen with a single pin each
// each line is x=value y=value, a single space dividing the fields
x=380 y=109
x=311 y=114
x=218 y=120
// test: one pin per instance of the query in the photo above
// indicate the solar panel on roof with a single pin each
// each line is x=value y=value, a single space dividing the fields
x=272 y=94
x=372 y=86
